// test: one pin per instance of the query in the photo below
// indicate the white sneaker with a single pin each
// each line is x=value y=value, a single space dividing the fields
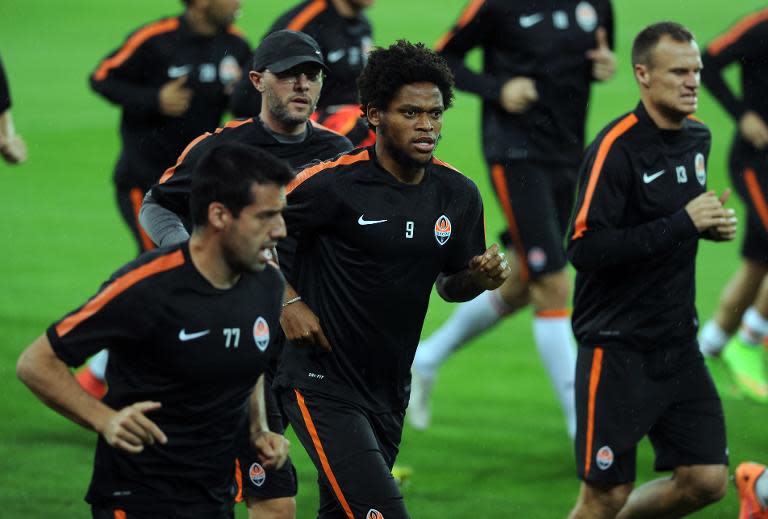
x=419 y=413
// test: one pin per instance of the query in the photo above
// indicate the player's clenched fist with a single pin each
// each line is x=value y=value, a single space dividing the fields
x=272 y=447
x=129 y=429
x=490 y=268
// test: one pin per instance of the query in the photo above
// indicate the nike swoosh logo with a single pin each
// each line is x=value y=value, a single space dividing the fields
x=650 y=178
x=176 y=72
x=530 y=20
x=336 y=55
x=363 y=221
x=184 y=336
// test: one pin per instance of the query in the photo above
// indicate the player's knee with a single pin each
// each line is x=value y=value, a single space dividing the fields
x=607 y=500
x=704 y=484
x=515 y=293
x=277 y=508
x=552 y=291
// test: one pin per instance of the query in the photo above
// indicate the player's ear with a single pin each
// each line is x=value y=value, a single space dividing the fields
x=218 y=215
x=257 y=80
x=373 y=114
x=641 y=75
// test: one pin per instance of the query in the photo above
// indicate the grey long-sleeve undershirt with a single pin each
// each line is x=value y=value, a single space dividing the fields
x=163 y=226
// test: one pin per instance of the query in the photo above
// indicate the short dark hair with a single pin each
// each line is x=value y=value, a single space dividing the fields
x=646 y=40
x=225 y=174
x=403 y=63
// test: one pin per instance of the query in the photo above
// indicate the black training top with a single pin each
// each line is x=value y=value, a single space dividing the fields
x=545 y=41
x=370 y=248
x=175 y=339
x=345 y=43
x=132 y=76
x=745 y=44
x=631 y=240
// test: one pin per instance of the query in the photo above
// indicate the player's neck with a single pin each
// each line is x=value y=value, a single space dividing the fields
x=346 y=9
x=275 y=126
x=199 y=23
x=405 y=173
x=208 y=260
x=663 y=119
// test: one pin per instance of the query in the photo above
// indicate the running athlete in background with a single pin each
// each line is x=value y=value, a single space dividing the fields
x=539 y=61
x=188 y=328
x=12 y=147
x=642 y=207
x=287 y=70
x=745 y=298
x=376 y=229
x=172 y=78
x=344 y=34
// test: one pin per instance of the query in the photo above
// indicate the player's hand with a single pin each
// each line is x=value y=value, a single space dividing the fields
x=302 y=327
x=706 y=210
x=754 y=129
x=490 y=269
x=603 y=58
x=518 y=94
x=725 y=231
x=175 y=97
x=13 y=149
x=272 y=447
x=130 y=430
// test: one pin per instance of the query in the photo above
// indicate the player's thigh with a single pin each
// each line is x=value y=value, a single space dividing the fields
x=341 y=439
x=531 y=203
x=691 y=431
x=749 y=175
x=615 y=407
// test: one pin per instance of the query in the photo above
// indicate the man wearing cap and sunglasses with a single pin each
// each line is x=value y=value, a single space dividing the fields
x=288 y=69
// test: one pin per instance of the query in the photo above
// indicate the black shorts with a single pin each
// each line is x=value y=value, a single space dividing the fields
x=353 y=450
x=537 y=200
x=129 y=199
x=749 y=174
x=623 y=395
x=252 y=479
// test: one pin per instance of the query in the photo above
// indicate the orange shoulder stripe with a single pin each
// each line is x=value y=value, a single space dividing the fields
x=724 y=41
x=597 y=168
x=170 y=171
x=439 y=162
x=235 y=30
x=306 y=15
x=466 y=16
x=118 y=286
x=323 y=127
x=311 y=171
x=133 y=43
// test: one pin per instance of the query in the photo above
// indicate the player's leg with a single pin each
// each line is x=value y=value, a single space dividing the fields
x=472 y=318
x=752 y=483
x=129 y=199
x=611 y=419
x=542 y=196
x=688 y=438
x=268 y=494
x=350 y=459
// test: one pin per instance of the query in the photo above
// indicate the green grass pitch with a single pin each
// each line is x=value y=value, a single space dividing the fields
x=497 y=445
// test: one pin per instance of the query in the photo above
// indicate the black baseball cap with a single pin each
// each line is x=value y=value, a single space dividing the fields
x=284 y=49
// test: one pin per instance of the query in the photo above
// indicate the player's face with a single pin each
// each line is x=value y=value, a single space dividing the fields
x=248 y=240
x=410 y=127
x=291 y=96
x=222 y=13
x=671 y=81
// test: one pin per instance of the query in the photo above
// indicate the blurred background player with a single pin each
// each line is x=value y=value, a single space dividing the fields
x=642 y=207
x=540 y=59
x=344 y=34
x=172 y=78
x=12 y=147
x=745 y=298
x=288 y=71
x=181 y=325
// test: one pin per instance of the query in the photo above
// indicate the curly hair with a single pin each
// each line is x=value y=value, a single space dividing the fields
x=403 y=63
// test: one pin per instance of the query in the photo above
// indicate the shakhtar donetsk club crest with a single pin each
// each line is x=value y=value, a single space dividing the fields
x=442 y=229
x=261 y=333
